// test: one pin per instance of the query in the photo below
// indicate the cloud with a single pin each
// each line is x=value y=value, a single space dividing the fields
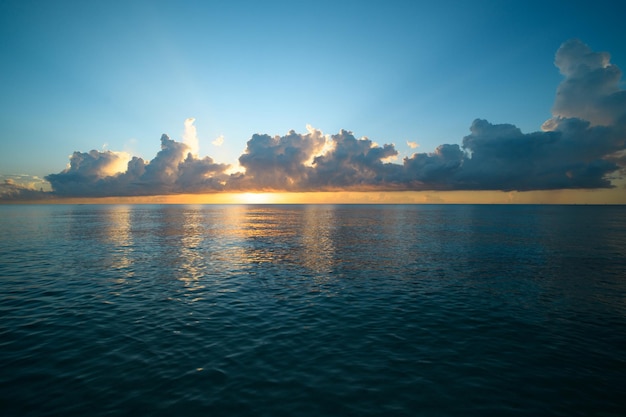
x=173 y=170
x=12 y=191
x=433 y=171
x=583 y=145
x=571 y=156
x=219 y=141
x=280 y=162
x=412 y=145
x=590 y=90
x=190 y=136
x=101 y=164
x=26 y=181
x=352 y=164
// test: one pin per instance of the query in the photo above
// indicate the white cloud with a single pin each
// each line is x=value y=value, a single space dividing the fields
x=190 y=136
x=219 y=141
x=412 y=145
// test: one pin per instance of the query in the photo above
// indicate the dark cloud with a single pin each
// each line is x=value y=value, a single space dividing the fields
x=501 y=157
x=582 y=146
x=280 y=162
x=353 y=163
x=434 y=171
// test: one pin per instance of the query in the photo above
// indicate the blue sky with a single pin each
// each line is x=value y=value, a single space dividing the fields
x=114 y=75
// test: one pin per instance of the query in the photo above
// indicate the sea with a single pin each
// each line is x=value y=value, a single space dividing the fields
x=312 y=310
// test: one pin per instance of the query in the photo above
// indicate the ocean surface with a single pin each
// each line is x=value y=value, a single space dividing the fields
x=312 y=310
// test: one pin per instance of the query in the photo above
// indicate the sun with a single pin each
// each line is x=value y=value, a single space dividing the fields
x=255 y=198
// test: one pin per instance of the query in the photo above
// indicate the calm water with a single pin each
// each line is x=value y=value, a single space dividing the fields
x=312 y=310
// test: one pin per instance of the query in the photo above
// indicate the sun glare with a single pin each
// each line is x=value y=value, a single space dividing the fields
x=255 y=198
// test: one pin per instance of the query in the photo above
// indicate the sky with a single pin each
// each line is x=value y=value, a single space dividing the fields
x=365 y=101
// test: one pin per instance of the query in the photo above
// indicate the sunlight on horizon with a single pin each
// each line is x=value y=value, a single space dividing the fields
x=256 y=198
x=603 y=196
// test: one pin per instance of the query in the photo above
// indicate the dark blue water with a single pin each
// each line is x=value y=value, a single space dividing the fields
x=312 y=310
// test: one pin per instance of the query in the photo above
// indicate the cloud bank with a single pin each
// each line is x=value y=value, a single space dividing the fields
x=582 y=146
x=22 y=187
x=173 y=170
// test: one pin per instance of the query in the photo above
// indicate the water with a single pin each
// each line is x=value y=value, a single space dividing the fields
x=312 y=310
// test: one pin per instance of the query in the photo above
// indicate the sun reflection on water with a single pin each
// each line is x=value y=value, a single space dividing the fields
x=119 y=233
x=192 y=264
x=319 y=248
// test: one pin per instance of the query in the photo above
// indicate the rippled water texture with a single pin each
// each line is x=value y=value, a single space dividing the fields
x=312 y=310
